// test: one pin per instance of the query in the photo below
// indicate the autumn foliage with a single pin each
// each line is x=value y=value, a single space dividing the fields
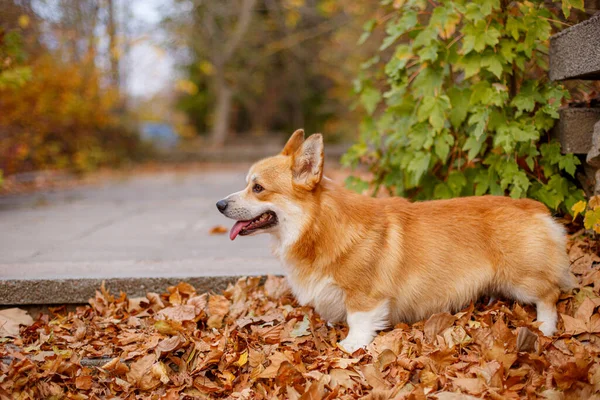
x=254 y=341
x=58 y=110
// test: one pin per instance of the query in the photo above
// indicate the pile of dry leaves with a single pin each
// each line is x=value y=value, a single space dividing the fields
x=254 y=341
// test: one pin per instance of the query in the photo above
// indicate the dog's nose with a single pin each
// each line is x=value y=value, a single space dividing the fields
x=222 y=205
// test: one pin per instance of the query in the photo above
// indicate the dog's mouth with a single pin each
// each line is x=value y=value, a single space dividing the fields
x=263 y=221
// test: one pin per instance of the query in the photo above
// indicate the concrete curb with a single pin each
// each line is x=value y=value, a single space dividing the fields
x=17 y=292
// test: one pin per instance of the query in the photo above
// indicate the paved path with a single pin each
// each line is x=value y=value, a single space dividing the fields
x=144 y=226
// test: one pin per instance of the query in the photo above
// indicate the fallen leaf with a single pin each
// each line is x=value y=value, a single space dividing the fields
x=140 y=373
x=526 y=340
x=83 y=382
x=301 y=328
x=179 y=313
x=218 y=230
x=11 y=319
x=470 y=385
x=218 y=307
x=438 y=323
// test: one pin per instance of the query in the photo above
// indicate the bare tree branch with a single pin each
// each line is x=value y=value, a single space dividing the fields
x=245 y=16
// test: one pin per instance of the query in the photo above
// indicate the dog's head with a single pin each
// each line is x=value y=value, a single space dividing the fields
x=276 y=189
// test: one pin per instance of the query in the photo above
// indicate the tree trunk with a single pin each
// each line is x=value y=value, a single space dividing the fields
x=222 y=113
x=112 y=46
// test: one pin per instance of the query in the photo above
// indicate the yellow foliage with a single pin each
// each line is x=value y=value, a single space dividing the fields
x=186 y=86
x=23 y=21
x=578 y=208
x=61 y=118
x=591 y=217
x=206 y=67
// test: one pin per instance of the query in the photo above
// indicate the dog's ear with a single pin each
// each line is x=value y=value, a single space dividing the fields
x=293 y=143
x=307 y=167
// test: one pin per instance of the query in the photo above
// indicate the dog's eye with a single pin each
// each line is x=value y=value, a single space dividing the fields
x=257 y=188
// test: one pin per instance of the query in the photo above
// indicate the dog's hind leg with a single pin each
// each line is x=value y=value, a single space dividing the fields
x=546 y=312
x=544 y=297
x=364 y=326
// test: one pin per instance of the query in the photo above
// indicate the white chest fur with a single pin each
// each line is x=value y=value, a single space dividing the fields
x=322 y=293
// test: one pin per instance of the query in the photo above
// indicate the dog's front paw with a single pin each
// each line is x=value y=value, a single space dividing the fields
x=350 y=345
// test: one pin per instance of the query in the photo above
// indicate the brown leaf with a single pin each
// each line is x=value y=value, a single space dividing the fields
x=140 y=373
x=585 y=310
x=438 y=323
x=470 y=385
x=179 y=313
x=287 y=374
x=526 y=340
x=343 y=377
x=159 y=371
x=453 y=396
x=169 y=344
x=276 y=359
x=316 y=391
x=168 y=327
x=218 y=307
x=385 y=358
x=373 y=377
x=573 y=326
x=343 y=362
x=199 y=303
x=269 y=334
x=116 y=366
x=83 y=382
x=275 y=287
x=11 y=319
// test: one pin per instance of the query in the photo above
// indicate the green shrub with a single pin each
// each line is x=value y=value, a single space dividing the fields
x=459 y=103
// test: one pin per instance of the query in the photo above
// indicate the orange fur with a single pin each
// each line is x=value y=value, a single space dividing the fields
x=349 y=254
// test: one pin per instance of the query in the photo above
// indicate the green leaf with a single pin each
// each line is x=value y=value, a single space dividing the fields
x=456 y=182
x=369 y=98
x=513 y=26
x=525 y=100
x=442 y=145
x=397 y=28
x=434 y=109
x=459 y=101
x=442 y=191
x=473 y=145
x=428 y=53
x=356 y=184
x=367 y=29
x=494 y=63
x=425 y=38
x=471 y=65
x=478 y=121
x=419 y=165
x=569 y=163
x=568 y=4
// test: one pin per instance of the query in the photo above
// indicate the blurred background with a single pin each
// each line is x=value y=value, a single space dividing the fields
x=88 y=83
x=122 y=122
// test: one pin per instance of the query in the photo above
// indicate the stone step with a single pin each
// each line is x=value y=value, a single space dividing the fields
x=593 y=156
x=575 y=129
x=54 y=283
x=575 y=52
x=16 y=292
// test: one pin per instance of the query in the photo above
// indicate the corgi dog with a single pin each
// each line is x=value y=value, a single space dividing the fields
x=374 y=262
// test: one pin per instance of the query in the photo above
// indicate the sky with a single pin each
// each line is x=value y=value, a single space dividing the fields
x=149 y=68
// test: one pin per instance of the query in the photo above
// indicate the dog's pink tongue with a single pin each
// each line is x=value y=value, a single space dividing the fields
x=237 y=227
